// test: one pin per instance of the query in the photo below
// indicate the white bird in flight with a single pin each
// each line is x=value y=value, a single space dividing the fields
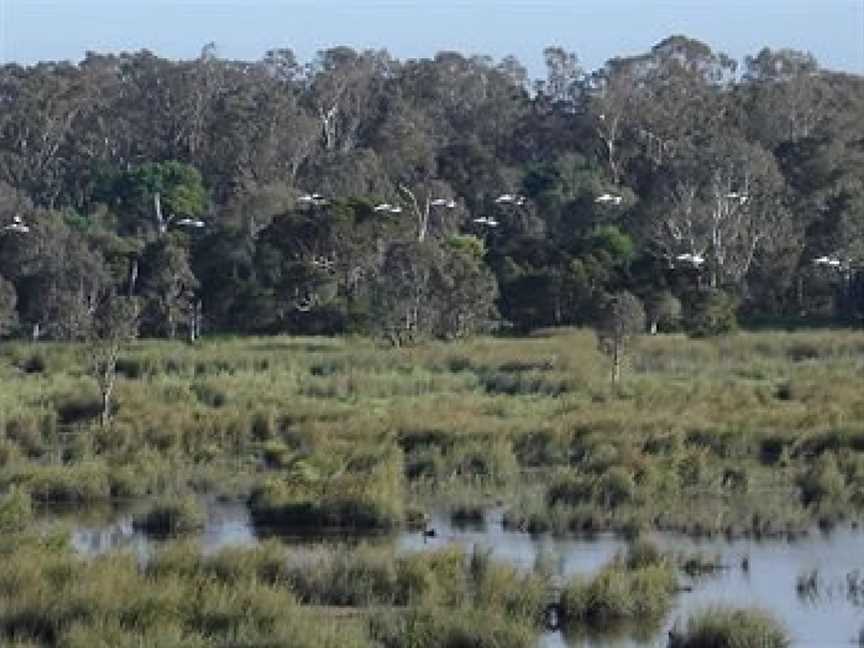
x=606 y=198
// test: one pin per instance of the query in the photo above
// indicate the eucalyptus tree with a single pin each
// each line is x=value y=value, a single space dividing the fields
x=57 y=274
x=432 y=289
x=622 y=318
x=722 y=205
x=114 y=323
x=152 y=196
x=39 y=107
x=343 y=86
x=786 y=95
x=168 y=288
x=261 y=130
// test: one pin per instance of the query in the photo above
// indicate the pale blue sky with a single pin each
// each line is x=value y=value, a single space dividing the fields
x=32 y=30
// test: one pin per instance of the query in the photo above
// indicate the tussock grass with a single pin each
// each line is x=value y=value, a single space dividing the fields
x=264 y=595
x=722 y=627
x=172 y=516
x=635 y=588
x=16 y=511
x=48 y=596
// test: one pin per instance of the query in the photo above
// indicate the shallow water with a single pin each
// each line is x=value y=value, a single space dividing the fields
x=829 y=619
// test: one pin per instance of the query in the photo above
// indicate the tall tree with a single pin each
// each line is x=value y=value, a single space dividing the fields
x=114 y=323
x=623 y=318
x=168 y=287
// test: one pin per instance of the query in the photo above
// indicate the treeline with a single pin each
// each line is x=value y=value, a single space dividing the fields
x=432 y=197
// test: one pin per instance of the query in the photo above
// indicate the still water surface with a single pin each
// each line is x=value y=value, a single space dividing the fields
x=829 y=619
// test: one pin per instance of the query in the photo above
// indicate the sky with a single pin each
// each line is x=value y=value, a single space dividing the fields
x=33 y=30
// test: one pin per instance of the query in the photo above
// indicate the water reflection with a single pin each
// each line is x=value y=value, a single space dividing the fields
x=832 y=616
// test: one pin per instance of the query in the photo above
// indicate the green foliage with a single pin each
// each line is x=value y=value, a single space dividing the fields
x=180 y=187
x=611 y=240
x=468 y=245
x=710 y=312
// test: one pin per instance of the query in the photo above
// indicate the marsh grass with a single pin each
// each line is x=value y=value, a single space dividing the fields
x=724 y=627
x=172 y=516
x=16 y=511
x=753 y=434
x=364 y=492
x=55 y=598
x=637 y=587
x=261 y=596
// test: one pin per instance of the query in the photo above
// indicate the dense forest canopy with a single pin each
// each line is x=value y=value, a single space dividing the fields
x=432 y=197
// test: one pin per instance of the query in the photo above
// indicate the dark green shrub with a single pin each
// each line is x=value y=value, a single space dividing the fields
x=76 y=409
x=710 y=312
x=34 y=363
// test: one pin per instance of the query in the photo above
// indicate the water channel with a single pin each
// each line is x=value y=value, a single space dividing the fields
x=828 y=617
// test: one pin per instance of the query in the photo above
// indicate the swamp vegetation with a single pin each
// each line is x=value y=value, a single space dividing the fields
x=754 y=435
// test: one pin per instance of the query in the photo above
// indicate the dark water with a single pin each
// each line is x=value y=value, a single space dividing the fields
x=828 y=617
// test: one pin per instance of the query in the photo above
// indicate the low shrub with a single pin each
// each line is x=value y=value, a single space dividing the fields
x=77 y=409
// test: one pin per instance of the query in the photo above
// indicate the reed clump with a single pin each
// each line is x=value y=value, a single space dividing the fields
x=726 y=627
x=172 y=516
x=637 y=587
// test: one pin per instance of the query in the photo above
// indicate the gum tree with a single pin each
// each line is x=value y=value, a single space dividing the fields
x=622 y=319
x=113 y=325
